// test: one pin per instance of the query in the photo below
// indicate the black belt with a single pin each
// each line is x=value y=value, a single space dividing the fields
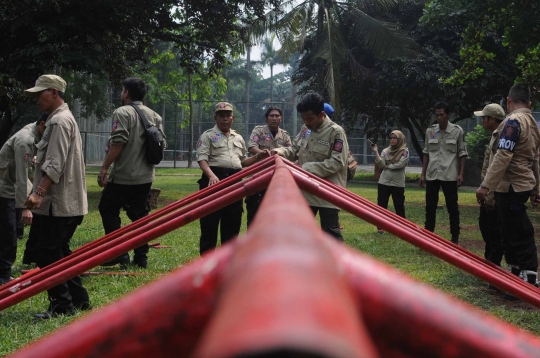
x=224 y=172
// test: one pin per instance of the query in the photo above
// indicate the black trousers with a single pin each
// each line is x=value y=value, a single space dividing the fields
x=133 y=198
x=488 y=221
x=55 y=234
x=517 y=229
x=20 y=225
x=252 y=205
x=398 y=197
x=450 y=191
x=31 y=250
x=230 y=216
x=329 y=221
x=8 y=236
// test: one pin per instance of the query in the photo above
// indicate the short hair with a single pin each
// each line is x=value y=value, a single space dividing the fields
x=520 y=93
x=135 y=87
x=311 y=102
x=43 y=117
x=61 y=94
x=272 y=108
x=443 y=105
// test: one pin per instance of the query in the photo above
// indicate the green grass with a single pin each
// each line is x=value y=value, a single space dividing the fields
x=18 y=328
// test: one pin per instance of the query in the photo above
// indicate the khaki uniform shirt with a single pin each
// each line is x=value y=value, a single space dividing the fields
x=517 y=150
x=131 y=166
x=488 y=158
x=262 y=138
x=394 y=175
x=221 y=151
x=60 y=156
x=16 y=165
x=444 y=148
x=322 y=152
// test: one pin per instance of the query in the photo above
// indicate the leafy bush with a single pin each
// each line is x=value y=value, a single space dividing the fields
x=477 y=141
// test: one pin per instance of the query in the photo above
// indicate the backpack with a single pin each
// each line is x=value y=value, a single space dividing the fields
x=155 y=142
x=351 y=166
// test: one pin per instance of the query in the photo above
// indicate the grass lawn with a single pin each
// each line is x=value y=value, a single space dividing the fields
x=18 y=328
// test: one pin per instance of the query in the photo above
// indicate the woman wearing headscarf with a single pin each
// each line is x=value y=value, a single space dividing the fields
x=392 y=161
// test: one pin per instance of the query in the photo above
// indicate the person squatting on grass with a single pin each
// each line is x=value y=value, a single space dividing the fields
x=488 y=221
x=393 y=161
x=321 y=148
x=59 y=191
x=443 y=167
x=513 y=176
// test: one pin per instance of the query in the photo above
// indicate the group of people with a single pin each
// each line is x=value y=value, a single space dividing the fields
x=54 y=201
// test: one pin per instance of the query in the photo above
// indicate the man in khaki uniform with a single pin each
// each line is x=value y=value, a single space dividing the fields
x=15 y=174
x=513 y=176
x=131 y=176
x=443 y=167
x=269 y=137
x=321 y=148
x=221 y=152
x=59 y=192
x=492 y=116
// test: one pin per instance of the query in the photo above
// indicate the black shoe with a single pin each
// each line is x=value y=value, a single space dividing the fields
x=122 y=260
x=5 y=279
x=510 y=297
x=491 y=287
x=53 y=314
x=142 y=263
x=28 y=260
x=83 y=306
x=455 y=240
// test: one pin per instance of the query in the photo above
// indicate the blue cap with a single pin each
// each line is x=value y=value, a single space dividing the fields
x=328 y=109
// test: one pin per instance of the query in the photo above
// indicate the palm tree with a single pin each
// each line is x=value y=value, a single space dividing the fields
x=324 y=21
x=271 y=57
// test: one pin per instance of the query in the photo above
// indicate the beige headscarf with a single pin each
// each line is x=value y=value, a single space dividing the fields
x=395 y=152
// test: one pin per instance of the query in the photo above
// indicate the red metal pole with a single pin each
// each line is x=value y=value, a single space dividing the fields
x=146 y=222
x=163 y=319
x=109 y=250
x=423 y=239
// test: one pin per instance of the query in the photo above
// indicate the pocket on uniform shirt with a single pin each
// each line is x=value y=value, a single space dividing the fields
x=41 y=151
x=302 y=152
x=239 y=148
x=433 y=145
x=320 y=152
x=451 y=145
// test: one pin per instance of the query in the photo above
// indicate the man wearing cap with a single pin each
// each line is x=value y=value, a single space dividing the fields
x=131 y=177
x=269 y=136
x=513 y=176
x=59 y=191
x=15 y=184
x=221 y=152
x=321 y=148
x=443 y=166
x=488 y=221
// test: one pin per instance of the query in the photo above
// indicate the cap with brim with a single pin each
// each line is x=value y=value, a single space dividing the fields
x=491 y=110
x=47 y=82
x=223 y=106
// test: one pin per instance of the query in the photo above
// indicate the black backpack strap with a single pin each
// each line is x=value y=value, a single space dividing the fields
x=141 y=114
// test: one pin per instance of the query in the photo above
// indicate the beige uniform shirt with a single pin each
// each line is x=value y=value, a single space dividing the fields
x=16 y=165
x=131 y=166
x=517 y=150
x=394 y=175
x=488 y=158
x=221 y=151
x=262 y=138
x=444 y=148
x=322 y=152
x=60 y=156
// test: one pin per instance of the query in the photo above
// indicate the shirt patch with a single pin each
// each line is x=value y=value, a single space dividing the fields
x=405 y=154
x=199 y=143
x=268 y=138
x=306 y=133
x=323 y=142
x=433 y=135
x=338 y=145
x=267 y=135
x=256 y=138
x=114 y=125
x=509 y=136
x=26 y=158
x=213 y=137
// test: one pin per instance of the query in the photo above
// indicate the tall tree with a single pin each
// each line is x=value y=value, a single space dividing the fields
x=270 y=57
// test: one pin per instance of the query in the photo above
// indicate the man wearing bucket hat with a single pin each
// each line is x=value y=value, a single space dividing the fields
x=221 y=152
x=59 y=191
x=488 y=221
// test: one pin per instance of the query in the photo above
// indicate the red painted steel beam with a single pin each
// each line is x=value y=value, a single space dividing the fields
x=163 y=319
x=283 y=292
x=92 y=258
x=419 y=237
x=147 y=222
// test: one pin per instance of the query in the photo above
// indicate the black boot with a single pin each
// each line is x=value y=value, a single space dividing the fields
x=123 y=260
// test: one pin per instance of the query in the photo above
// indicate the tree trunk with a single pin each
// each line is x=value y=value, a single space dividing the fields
x=246 y=98
x=190 y=155
x=414 y=139
x=272 y=84
x=293 y=111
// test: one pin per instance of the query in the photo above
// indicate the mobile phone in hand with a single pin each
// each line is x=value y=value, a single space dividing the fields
x=370 y=142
